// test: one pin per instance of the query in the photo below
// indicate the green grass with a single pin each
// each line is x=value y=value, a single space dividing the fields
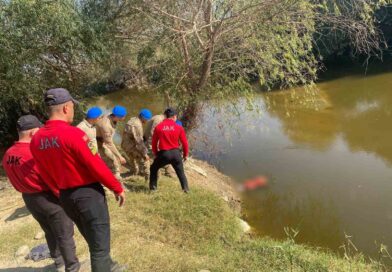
x=172 y=231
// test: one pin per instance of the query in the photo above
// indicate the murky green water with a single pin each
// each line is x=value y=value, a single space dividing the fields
x=328 y=155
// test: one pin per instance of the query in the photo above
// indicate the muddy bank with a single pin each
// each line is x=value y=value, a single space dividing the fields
x=205 y=175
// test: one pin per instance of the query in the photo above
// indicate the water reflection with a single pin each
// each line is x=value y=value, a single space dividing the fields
x=316 y=219
x=307 y=116
x=359 y=108
x=326 y=152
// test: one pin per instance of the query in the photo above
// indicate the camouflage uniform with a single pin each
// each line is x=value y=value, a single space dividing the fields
x=133 y=145
x=150 y=127
x=106 y=147
x=91 y=133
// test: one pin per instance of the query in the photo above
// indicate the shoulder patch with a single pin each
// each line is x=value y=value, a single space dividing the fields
x=92 y=147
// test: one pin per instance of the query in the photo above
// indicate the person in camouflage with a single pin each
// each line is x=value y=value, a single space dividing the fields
x=150 y=127
x=106 y=128
x=134 y=146
x=93 y=115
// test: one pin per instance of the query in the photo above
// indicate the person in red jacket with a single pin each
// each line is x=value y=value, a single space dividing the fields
x=166 y=149
x=42 y=203
x=62 y=155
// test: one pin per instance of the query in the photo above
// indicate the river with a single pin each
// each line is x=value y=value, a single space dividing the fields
x=327 y=154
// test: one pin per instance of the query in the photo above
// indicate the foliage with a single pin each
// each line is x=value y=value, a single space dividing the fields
x=348 y=36
x=212 y=48
x=384 y=19
x=189 y=50
x=45 y=44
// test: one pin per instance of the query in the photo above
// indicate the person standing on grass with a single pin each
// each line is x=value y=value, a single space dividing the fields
x=106 y=128
x=65 y=160
x=166 y=149
x=133 y=145
x=147 y=137
x=40 y=199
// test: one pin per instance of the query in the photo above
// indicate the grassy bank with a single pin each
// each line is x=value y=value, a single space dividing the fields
x=172 y=231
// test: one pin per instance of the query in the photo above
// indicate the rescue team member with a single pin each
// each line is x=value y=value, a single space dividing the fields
x=148 y=132
x=106 y=128
x=166 y=138
x=88 y=126
x=133 y=144
x=64 y=159
x=42 y=203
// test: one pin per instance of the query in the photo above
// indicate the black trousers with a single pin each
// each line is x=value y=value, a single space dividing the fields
x=57 y=226
x=164 y=158
x=87 y=207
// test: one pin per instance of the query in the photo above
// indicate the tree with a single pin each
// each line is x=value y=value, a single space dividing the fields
x=46 y=44
x=207 y=48
x=189 y=50
x=349 y=26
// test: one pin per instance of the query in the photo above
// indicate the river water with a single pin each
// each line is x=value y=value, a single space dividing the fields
x=327 y=154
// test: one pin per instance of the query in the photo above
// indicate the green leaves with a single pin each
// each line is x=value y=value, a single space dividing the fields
x=278 y=45
x=191 y=49
x=46 y=44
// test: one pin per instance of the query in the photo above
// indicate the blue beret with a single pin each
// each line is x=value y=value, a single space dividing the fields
x=119 y=111
x=145 y=114
x=93 y=113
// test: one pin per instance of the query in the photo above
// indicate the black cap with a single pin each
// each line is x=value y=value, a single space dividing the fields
x=170 y=112
x=27 y=122
x=58 y=96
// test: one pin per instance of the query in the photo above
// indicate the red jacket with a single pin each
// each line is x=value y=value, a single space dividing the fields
x=64 y=159
x=22 y=171
x=168 y=135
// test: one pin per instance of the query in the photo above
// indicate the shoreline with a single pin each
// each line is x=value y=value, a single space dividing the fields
x=173 y=231
x=202 y=173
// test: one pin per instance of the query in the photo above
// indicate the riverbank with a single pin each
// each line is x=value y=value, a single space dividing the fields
x=172 y=231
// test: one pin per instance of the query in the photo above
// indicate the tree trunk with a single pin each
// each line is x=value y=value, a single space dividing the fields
x=209 y=52
x=190 y=117
x=206 y=67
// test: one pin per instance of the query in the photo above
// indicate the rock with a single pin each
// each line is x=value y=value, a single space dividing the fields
x=226 y=198
x=204 y=270
x=244 y=225
x=40 y=235
x=22 y=252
